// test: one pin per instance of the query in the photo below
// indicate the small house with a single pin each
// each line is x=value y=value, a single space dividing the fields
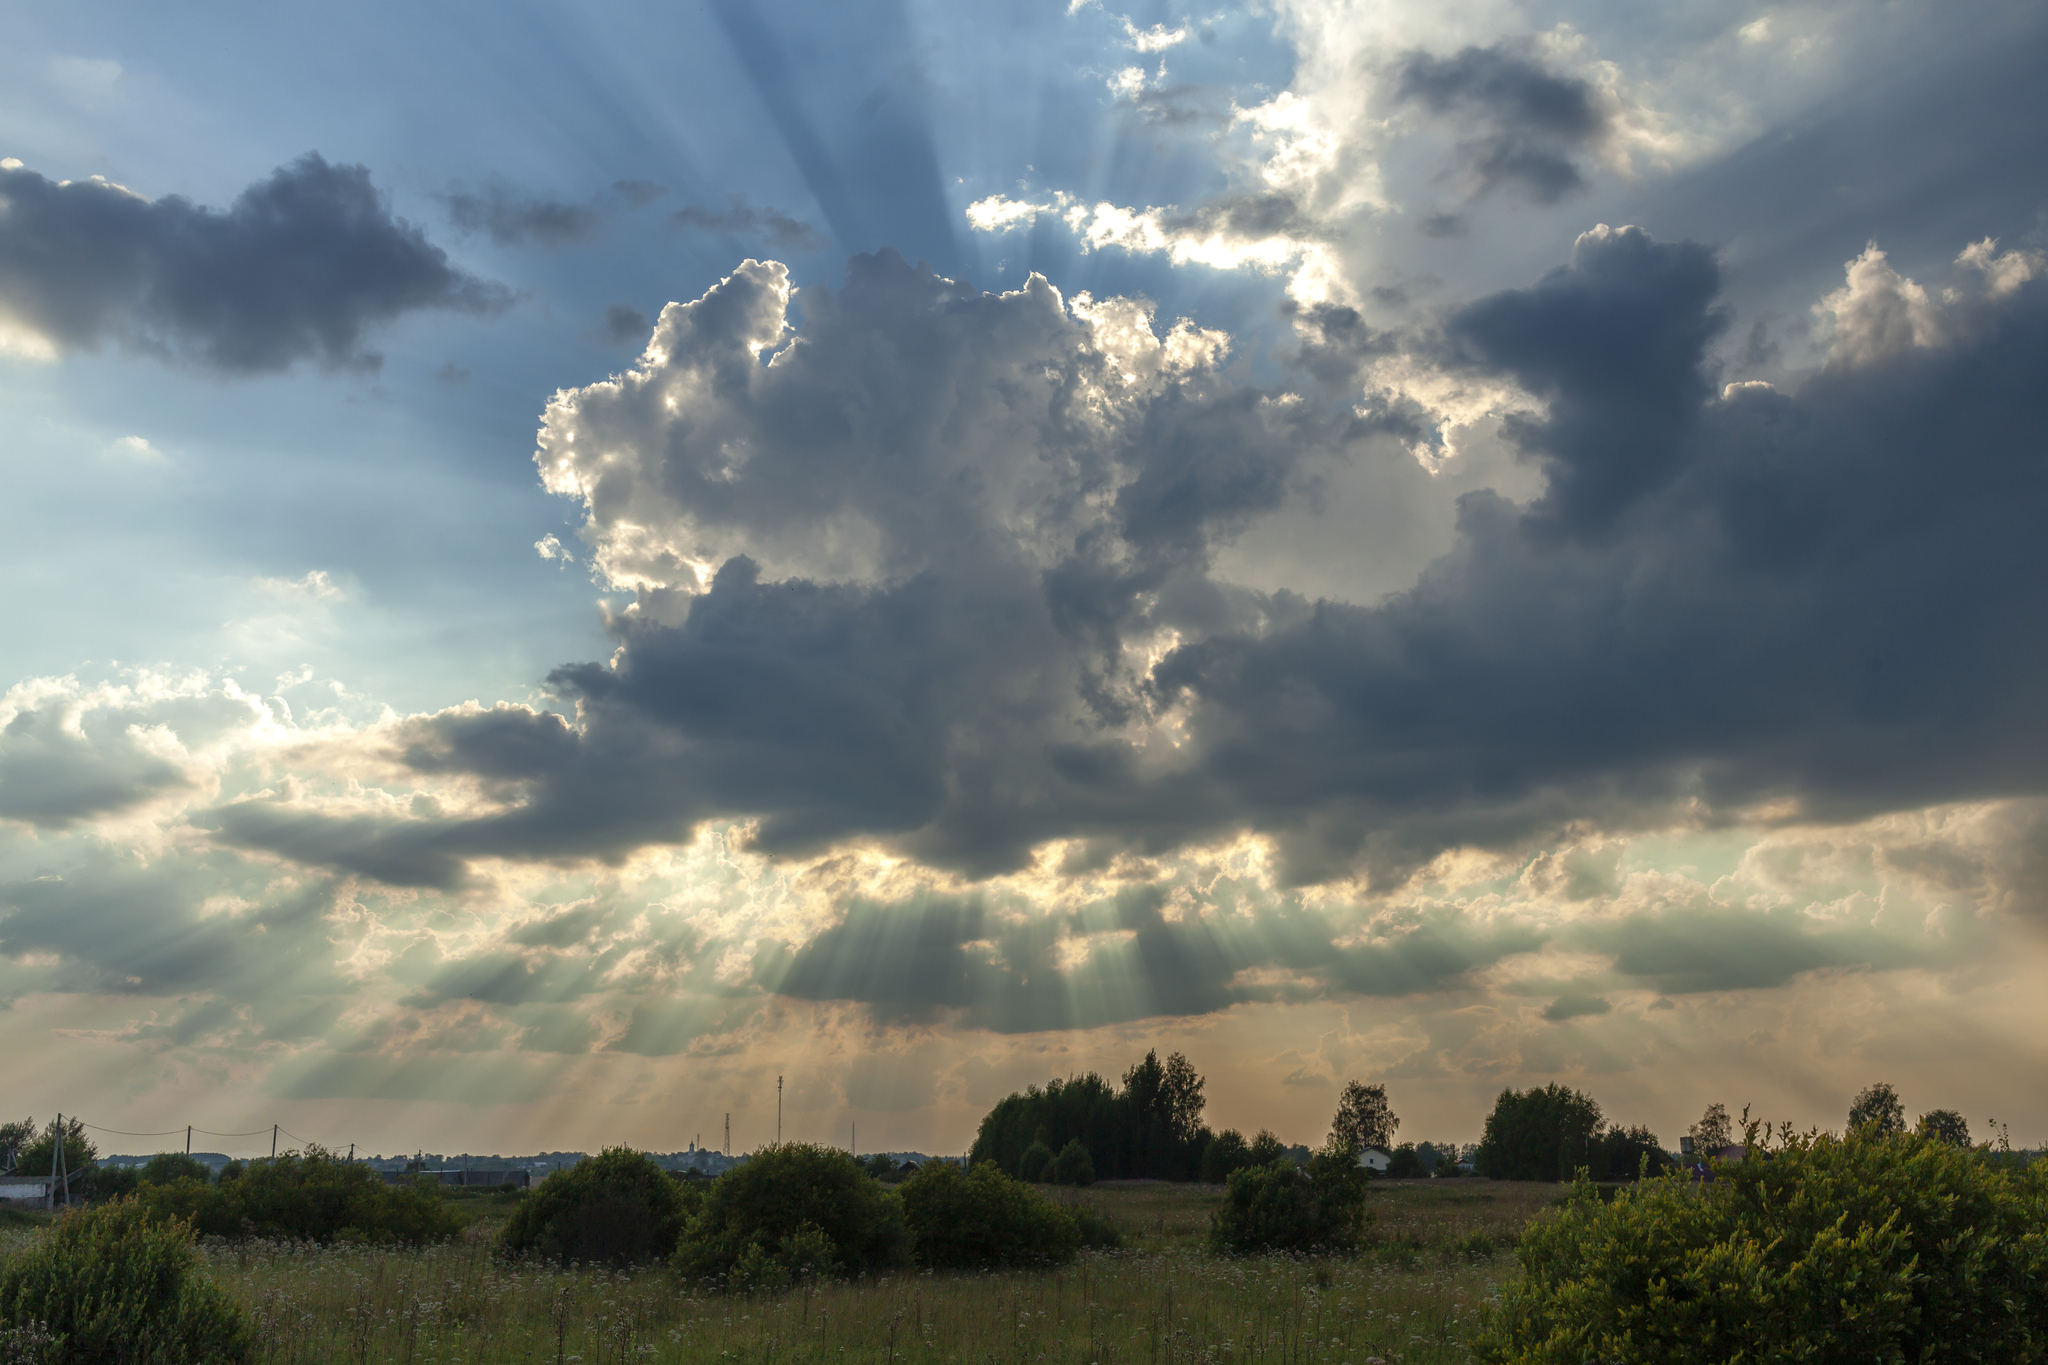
x=1375 y=1159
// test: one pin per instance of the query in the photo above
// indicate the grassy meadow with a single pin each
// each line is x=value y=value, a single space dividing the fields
x=1438 y=1252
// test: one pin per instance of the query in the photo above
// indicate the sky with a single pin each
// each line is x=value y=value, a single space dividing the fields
x=567 y=561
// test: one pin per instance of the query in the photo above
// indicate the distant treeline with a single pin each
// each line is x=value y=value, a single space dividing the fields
x=1150 y=1127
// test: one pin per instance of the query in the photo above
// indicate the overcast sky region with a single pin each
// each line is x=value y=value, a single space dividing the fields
x=567 y=561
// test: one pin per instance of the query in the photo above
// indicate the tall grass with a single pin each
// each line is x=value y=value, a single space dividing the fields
x=1414 y=1296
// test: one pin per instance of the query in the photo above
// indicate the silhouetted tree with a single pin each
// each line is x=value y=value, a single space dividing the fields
x=1945 y=1125
x=1364 y=1118
x=1713 y=1131
x=1544 y=1134
x=1878 y=1106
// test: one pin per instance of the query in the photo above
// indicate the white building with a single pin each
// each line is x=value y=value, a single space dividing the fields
x=1374 y=1159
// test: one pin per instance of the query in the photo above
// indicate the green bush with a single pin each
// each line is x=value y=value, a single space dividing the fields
x=618 y=1208
x=984 y=1218
x=788 y=1211
x=1073 y=1166
x=1874 y=1247
x=1281 y=1206
x=112 y=1284
x=165 y=1167
x=311 y=1196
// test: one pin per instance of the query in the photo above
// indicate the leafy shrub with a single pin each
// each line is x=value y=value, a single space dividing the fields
x=984 y=1218
x=1873 y=1247
x=113 y=1284
x=1281 y=1206
x=618 y=1208
x=1073 y=1166
x=165 y=1167
x=312 y=1196
x=787 y=1211
x=1032 y=1165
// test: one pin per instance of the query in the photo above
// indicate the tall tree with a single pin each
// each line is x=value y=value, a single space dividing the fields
x=1713 y=1131
x=1878 y=1108
x=1364 y=1118
x=1544 y=1134
x=1945 y=1125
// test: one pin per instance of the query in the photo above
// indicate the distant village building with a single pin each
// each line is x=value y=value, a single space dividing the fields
x=1375 y=1159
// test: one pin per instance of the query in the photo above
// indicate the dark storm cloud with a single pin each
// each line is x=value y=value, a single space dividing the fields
x=1616 y=344
x=300 y=267
x=1529 y=122
x=770 y=226
x=1828 y=598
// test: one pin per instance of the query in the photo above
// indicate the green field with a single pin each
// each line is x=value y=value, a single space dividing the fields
x=1437 y=1254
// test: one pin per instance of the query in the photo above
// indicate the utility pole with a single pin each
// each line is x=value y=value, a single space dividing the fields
x=778 y=1111
x=188 y=1139
x=58 y=1169
x=853 y=1148
x=351 y=1154
x=273 y=1142
x=728 y=1133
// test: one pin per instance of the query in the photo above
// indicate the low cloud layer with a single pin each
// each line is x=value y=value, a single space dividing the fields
x=302 y=266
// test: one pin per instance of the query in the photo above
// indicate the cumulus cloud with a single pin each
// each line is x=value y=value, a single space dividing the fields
x=937 y=569
x=300 y=267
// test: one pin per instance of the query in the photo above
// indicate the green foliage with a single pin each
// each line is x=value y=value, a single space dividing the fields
x=1945 y=1125
x=1364 y=1118
x=36 y=1151
x=234 y=1170
x=1285 y=1207
x=1073 y=1165
x=1537 y=1134
x=1878 y=1107
x=1265 y=1149
x=1873 y=1247
x=984 y=1218
x=1031 y=1166
x=1405 y=1163
x=617 y=1209
x=1151 y=1127
x=1627 y=1153
x=312 y=1196
x=165 y=1167
x=879 y=1165
x=102 y=1183
x=1227 y=1151
x=112 y=1284
x=764 y=1219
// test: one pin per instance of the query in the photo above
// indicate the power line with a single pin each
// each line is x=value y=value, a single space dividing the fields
x=123 y=1132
